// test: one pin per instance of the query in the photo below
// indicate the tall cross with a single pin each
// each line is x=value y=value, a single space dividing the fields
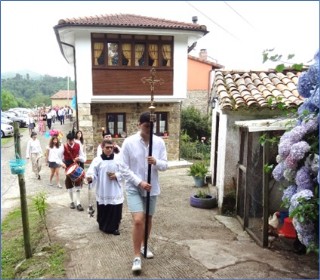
x=152 y=81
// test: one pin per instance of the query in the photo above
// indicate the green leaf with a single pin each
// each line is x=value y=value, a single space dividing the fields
x=297 y=67
x=290 y=56
x=280 y=68
x=265 y=57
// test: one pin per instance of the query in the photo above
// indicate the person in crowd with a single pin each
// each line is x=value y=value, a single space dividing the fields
x=49 y=118
x=104 y=172
x=31 y=123
x=61 y=114
x=107 y=136
x=54 y=159
x=42 y=118
x=73 y=154
x=34 y=151
x=80 y=140
x=134 y=161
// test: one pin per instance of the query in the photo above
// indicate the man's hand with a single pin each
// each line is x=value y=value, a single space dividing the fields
x=144 y=185
x=151 y=160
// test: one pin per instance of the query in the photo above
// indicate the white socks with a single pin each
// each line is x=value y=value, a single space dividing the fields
x=78 y=196
x=71 y=194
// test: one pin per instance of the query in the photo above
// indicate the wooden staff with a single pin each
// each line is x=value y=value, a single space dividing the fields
x=148 y=192
x=151 y=81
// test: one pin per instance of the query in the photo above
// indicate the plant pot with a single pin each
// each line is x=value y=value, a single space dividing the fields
x=204 y=203
x=198 y=181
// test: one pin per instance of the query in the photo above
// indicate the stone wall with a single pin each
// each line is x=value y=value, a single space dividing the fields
x=92 y=117
x=198 y=99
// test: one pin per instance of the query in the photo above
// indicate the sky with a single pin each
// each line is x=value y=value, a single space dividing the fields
x=239 y=31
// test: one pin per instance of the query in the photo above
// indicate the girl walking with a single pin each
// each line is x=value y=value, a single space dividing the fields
x=54 y=159
x=80 y=140
x=34 y=151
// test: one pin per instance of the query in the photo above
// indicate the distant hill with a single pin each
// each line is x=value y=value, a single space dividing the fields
x=23 y=73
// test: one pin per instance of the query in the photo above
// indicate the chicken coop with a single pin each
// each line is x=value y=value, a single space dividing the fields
x=258 y=194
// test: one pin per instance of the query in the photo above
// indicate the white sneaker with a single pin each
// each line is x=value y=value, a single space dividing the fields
x=50 y=184
x=149 y=253
x=59 y=186
x=136 y=266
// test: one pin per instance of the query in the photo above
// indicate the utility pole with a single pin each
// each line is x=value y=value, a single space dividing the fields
x=23 y=198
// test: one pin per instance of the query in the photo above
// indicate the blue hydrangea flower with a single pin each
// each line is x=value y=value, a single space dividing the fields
x=305 y=231
x=298 y=150
x=307 y=194
x=277 y=172
x=304 y=179
x=311 y=124
x=289 y=192
x=304 y=85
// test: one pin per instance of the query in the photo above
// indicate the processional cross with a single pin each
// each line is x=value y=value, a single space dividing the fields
x=152 y=81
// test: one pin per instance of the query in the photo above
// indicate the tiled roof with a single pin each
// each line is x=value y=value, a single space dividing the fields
x=253 y=89
x=214 y=64
x=130 y=20
x=63 y=94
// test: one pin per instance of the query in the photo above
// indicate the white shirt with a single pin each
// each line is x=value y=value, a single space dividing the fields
x=55 y=154
x=134 y=164
x=107 y=191
x=83 y=149
x=33 y=147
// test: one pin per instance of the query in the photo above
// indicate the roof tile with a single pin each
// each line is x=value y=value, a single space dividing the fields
x=253 y=89
x=130 y=21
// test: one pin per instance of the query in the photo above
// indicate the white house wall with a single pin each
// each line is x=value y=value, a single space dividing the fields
x=83 y=66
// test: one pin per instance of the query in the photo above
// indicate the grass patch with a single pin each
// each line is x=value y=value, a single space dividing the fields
x=47 y=260
x=6 y=140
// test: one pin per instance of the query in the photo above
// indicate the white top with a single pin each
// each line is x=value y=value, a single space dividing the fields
x=55 y=154
x=107 y=191
x=134 y=165
x=82 y=148
x=33 y=147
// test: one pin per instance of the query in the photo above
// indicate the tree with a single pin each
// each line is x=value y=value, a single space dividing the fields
x=195 y=124
x=7 y=100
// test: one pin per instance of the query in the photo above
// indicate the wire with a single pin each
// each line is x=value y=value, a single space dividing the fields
x=239 y=15
x=232 y=35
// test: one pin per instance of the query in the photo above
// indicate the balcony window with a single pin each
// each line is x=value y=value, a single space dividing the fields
x=132 y=51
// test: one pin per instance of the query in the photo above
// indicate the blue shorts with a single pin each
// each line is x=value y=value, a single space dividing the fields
x=137 y=203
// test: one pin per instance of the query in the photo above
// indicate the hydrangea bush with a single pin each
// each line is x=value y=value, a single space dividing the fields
x=298 y=161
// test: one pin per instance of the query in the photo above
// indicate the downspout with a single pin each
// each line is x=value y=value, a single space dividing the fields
x=74 y=67
x=75 y=79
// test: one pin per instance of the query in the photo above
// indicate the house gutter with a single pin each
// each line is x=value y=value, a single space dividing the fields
x=75 y=78
x=74 y=67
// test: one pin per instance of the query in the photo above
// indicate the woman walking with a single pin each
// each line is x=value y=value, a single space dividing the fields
x=54 y=159
x=42 y=117
x=80 y=140
x=104 y=172
x=34 y=151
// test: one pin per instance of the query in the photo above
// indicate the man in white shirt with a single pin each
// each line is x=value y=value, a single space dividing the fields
x=134 y=168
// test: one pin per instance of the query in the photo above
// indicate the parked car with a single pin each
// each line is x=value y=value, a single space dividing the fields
x=6 y=130
x=16 y=117
x=5 y=119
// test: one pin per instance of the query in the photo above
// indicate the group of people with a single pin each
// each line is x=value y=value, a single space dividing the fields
x=112 y=168
x=47 y=117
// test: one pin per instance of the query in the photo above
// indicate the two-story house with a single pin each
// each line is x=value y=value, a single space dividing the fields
x=111 y=54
